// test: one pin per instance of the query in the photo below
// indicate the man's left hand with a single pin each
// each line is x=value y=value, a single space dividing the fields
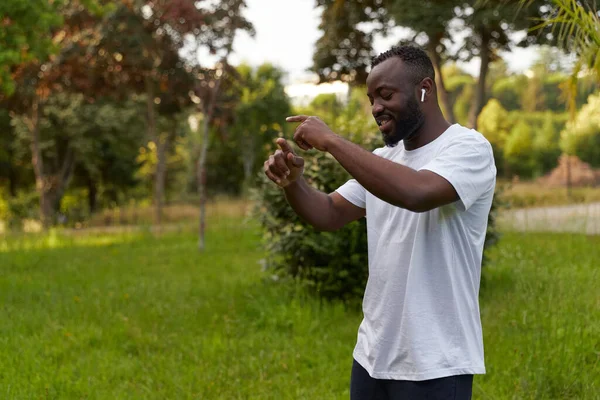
x=312 y=132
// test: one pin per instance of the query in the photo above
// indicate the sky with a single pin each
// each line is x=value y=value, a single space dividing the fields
x=286 y=31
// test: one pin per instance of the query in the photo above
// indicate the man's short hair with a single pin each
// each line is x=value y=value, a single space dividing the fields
x=415 y=58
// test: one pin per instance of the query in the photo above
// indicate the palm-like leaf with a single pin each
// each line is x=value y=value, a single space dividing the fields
x=577 y=26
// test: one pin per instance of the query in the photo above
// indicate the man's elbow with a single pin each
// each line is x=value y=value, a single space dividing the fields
x=416 y=202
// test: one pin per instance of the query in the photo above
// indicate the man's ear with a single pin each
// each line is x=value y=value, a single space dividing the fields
x=428 y=85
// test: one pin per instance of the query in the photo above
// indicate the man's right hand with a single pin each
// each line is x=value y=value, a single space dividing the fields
x=284 y=167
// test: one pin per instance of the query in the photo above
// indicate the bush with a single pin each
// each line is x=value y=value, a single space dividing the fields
x=332 y=264
x=494 y=125
x=582 y=136
x=24 y=206
x=508 y=91
x=518 y=150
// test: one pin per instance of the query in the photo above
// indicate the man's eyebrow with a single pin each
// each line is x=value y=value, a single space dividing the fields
x=386 y=86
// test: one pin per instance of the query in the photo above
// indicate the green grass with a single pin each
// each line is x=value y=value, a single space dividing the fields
x=134 y=316
x=541 y=318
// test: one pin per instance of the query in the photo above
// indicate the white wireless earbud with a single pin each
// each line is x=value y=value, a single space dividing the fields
x=422 y=95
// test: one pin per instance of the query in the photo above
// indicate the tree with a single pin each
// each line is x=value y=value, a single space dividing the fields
x=134 y=48
x=493 y=124
x=158 y=31
x=518 y=150
x=260 y=114
x=573 y=25
x=546 y=148
x=509 y=91
x=210 y=90
x=490 y=22
x=107 y=167
x=9 y=171
x=430 y=19
x=59 y=143
x=38 y=77
x=344 y=51
x=581 y=136
x=24 y=34
x=533 y=98
x=463 y=103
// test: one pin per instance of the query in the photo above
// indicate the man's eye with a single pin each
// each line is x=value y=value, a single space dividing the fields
x=386 y=96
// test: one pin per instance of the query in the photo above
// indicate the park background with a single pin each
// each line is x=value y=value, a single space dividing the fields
x=143 y=254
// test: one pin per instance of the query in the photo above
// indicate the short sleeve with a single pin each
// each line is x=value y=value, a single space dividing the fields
x=468 y=164
x=354 y=192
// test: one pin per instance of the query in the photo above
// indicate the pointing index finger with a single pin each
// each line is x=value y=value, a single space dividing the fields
x=297 y=118
x=284 y=145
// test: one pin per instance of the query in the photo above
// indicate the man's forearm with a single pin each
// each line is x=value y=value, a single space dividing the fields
x=385 y=179
x=311 y=205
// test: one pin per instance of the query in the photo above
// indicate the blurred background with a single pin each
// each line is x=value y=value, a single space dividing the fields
x=144 y=254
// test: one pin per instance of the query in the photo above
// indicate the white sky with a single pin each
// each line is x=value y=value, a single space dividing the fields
x=286 y=31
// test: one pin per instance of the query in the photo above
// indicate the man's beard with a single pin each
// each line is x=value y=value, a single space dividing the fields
x=407 y=126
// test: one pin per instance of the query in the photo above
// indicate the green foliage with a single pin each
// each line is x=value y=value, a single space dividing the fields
x=524 y=143
x=18 y=208
x=508 y=91
x=546 y=149
x=533 y=98
x=463 y=103
x=518 y=150
x=493 y=124
x=344 y=51
x=328 y=106
x=581 y=137
x=545 y=91
x=574 y=24
x=86 y=143
x=26 y=32
x=239 y=150
x=332 y=264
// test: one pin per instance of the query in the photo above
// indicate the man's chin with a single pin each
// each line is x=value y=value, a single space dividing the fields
x=391 y=140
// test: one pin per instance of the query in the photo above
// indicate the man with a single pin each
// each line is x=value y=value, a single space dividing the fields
x=426 y=195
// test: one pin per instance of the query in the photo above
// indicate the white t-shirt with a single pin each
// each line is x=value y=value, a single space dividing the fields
x=421 y=309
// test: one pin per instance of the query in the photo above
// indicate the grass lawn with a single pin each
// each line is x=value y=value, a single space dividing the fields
x=138 y=317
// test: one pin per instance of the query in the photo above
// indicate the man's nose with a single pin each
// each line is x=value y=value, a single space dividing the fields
x=376 y=109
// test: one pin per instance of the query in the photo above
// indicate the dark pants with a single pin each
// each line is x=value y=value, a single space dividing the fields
x=363 y=387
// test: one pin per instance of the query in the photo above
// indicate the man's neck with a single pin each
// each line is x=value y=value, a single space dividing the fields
x=432 y=128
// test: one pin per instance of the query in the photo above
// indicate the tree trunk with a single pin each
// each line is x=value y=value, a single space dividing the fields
x=484 y=54
x=63 y=179
x=92 y=195
x=162 y=150
x=209 y=106
x=12 y=178
x=41 y=183
x=201 y=175
x=50 y=186
x=434 y=42
x=248 y=159
x=161 y=164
